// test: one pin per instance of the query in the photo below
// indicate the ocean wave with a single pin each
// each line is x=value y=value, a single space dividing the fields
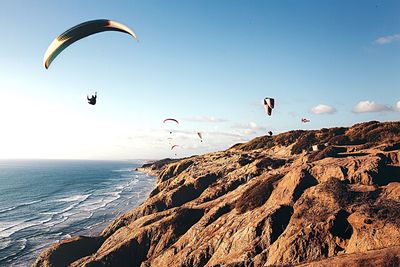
x=101 y=200
x=123 y=170
x=8 y=209
x=66 y=236
x=21 y=246
x=79 y=198
x=5 y=244
x=101 y=203
x=15 y=226
x=55 y=222
x=21 y=243
x=19 y=206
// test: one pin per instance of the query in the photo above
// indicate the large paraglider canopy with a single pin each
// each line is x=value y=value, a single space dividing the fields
x=81 y=31
x=269 y=104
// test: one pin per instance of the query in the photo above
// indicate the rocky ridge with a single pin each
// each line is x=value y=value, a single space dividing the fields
x=271 y=201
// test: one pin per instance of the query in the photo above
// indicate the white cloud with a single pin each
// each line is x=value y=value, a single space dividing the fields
x=205 y=119
x=323 y=109
x=250 y=128
x=370 y=106
x=388 y=39
x=397 y=107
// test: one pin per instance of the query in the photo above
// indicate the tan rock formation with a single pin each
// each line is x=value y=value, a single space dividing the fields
x=271 y=201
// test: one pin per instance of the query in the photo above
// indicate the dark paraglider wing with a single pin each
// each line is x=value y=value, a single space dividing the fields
x=170 y=119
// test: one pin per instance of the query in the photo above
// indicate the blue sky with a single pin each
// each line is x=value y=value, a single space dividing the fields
x=207 y=63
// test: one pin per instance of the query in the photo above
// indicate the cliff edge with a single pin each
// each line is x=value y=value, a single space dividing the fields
x=317 y=198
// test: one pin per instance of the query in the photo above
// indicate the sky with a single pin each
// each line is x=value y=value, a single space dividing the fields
x=208 y=64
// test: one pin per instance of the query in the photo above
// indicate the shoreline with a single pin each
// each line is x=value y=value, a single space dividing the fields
x=89 y=212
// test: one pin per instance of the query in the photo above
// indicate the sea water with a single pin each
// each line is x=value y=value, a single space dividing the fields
x=45 y=201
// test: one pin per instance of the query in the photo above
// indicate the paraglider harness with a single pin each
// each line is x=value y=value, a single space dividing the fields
x=92 y=100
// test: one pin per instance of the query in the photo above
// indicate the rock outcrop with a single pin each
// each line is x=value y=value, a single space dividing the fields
x=269 y=202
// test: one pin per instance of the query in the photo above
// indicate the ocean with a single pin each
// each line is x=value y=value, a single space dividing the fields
x=45 y=201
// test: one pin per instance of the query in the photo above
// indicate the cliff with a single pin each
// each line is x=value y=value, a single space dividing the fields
x=270 y=201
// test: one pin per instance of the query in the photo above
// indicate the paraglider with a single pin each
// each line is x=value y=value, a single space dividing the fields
x=269 y=104
x=92 y=100
x=304 y=120
x=201 y=136
x=81 y=31
x=172 y=147
x=171 y=120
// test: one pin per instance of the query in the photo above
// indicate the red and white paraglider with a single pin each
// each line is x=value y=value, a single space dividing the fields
x=269 y=104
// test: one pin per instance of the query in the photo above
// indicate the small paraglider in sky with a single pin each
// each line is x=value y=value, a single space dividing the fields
x=172 y=147
x=171 y=120
x=201 y=136
x=92 y=100
x=81 y=31
x=269 y=104
x=304 y=120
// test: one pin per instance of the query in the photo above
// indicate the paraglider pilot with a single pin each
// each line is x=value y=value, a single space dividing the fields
x=92 y=100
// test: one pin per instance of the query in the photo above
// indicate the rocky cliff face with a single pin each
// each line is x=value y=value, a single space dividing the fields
x=271 y=201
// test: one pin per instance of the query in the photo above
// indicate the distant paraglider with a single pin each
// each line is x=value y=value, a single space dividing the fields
x=304 y=120
x=171 y=120
x=269 y=104
x=81 y=31
x=201 y=136
x=174 y=146
x=93 y=99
